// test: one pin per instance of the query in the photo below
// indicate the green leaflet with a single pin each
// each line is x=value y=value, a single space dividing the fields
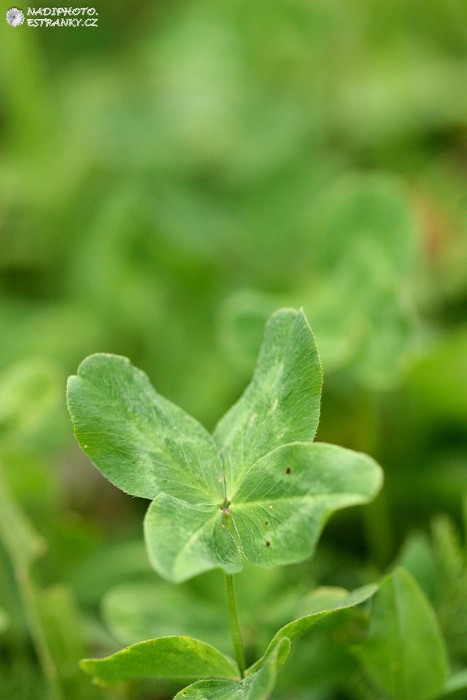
x=140 y=441
x=184 y=540
x=325 y=604
x=281 y=405
x=256 y=686
x=404 y=652
x=176 y=658
x=289 y=494
x=259 y=490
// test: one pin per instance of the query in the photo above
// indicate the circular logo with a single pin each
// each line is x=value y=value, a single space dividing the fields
x=14 y=17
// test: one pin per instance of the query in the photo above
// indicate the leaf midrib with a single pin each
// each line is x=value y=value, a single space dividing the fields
x=257 y=378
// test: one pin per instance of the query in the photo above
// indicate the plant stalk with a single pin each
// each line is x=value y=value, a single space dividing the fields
x=234 y=623
x=12 y=531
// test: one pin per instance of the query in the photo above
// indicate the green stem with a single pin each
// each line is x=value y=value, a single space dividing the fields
x=234 y=624
x=22 y=545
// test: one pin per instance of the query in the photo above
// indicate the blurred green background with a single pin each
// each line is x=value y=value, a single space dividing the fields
x=169 y=179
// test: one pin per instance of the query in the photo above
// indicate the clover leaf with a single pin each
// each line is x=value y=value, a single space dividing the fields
x=258 y=489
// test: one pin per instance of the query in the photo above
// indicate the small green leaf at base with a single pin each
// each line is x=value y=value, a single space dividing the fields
x=256 y=686
x=170 y=658
x=340 y=600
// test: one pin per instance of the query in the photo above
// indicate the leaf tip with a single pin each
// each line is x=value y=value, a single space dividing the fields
x=87 y=665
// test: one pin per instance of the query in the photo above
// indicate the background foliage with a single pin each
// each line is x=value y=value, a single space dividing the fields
x=166 y=181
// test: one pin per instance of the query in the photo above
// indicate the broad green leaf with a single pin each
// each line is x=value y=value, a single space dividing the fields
x=321 y=604
x=171 y=658
x=404 y=652
x=140 y=441
x=281 y=405
x=264 y=497
x=256 y=686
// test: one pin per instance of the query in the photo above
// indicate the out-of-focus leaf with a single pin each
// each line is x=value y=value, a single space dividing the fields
x=23 y=546
x=384 y=104
x=455 y=683
x=416 y=556
x=451 y=586
x=359 y=294
x=57 y=332
x=137 y=611
x=108 y=565
x=30 y=394
x=437 y=383
x=439 y=566
x=62 y=628
x=404 y=653
x=358 y=298
x=16 y=530
x=21 y=679
x=4 y=621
